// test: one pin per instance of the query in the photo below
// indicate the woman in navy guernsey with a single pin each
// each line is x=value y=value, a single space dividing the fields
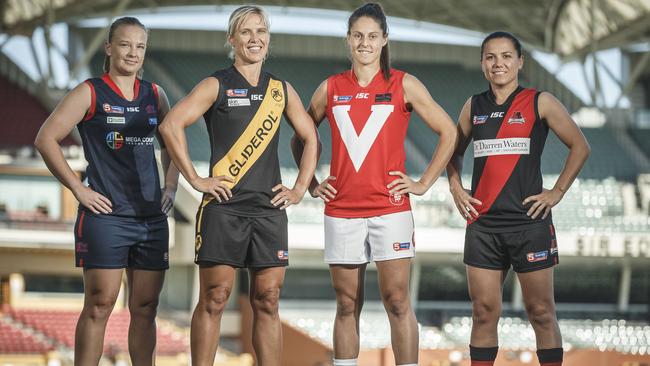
x=242 y=222
x=367 y=205
x=508 y=211
x=122 y=221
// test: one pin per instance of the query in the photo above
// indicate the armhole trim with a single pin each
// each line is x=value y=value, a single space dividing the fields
x=93 y=101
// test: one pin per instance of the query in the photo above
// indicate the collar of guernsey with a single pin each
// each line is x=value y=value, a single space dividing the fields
x=266 y=119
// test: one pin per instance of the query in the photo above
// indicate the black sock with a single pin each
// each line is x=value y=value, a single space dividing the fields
x=550 y=356
x=483 y=353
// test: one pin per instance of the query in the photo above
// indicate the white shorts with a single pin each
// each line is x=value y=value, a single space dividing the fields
x=361 y=240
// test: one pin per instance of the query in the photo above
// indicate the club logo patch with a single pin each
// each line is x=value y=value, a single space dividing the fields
x=115 y=140
x=283 y=254
x=516 y=118
x=383 y=97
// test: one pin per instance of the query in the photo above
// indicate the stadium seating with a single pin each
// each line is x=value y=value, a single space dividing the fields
x=15 y=340
x=514 y=333
x=59 y=326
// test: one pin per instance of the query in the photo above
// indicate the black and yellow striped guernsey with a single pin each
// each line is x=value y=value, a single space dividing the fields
x=244 y=129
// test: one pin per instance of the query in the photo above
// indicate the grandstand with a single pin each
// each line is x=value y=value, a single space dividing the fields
x=603 y=281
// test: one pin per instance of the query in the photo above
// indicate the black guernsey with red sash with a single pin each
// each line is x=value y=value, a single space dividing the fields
x=508 y=141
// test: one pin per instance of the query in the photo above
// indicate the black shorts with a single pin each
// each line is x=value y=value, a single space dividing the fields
x=527 y=250
x=105 y=241
x=241 y=241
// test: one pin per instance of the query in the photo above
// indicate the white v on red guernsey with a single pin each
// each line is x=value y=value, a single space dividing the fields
x=368 y=130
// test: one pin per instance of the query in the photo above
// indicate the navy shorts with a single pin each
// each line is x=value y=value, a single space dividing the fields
x=241 y=241
x=105 y=241
x=527 y=250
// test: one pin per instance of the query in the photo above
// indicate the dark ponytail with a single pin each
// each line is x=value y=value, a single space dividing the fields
x=116 y=24
x=375 y=12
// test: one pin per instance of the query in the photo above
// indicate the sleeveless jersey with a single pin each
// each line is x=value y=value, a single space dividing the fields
x=368 y=127
x=117 y=136
x=244 y=128
x=508 y=144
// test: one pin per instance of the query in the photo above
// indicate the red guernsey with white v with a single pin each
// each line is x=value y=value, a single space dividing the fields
x=368 y=130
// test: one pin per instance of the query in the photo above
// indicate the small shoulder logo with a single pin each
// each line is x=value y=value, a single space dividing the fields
x=516 y=118
x=276 y=95
x=342 y=98
x=478 y=120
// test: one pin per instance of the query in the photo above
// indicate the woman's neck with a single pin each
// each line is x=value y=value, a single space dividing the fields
x=365 y=73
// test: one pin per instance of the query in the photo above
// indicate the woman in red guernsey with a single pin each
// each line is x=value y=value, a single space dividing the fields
x=367 y=213
x=122 y=221
x=508 y=212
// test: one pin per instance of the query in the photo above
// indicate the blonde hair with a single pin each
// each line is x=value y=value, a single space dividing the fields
x=237 y=18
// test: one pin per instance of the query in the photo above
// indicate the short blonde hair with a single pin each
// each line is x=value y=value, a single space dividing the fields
x=237 y=18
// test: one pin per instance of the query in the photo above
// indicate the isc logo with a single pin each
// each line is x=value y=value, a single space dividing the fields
x=362 y=96
x=133 y=109
x=496 y=115
x=257 y=96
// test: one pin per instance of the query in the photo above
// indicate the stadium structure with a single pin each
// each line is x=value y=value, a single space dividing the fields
x=602 y=285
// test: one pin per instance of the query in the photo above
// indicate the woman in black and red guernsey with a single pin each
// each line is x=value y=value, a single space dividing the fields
x=122 y=221
x=508 y=211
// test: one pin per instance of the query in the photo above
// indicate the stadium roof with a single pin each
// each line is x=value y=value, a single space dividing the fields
x=566 y=27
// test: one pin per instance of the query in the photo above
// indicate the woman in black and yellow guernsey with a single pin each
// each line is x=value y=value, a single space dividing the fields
x=241 y=222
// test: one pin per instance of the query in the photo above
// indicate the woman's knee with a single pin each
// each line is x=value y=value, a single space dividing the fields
x=215 y=300
x=266 y=300
x=541 y=314
x=485 y=312
x=397 y=303
x=99 y=307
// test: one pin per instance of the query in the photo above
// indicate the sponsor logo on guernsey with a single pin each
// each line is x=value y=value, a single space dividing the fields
x=257 y=96
x=153 y=121
x=150 y=109
x=478 y=120
x=237 y=92
x=497 y=114
x=138 y=141
x=112 y=108
x=262 y=133
x=166 y=257
x=505 y=146
x=362 y=96
x=397 y=246
x=396 y=199
x=379 y=98
x=537 y=256
x=342 y=98
x=283 y=254
x=133 y=109
x=238 y=102
x=115 y=140
x=516 y=118
x=115 y=120
x=553 y=250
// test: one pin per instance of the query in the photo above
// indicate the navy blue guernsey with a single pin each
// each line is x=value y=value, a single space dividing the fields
x=508 y=143
x=117 y=136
